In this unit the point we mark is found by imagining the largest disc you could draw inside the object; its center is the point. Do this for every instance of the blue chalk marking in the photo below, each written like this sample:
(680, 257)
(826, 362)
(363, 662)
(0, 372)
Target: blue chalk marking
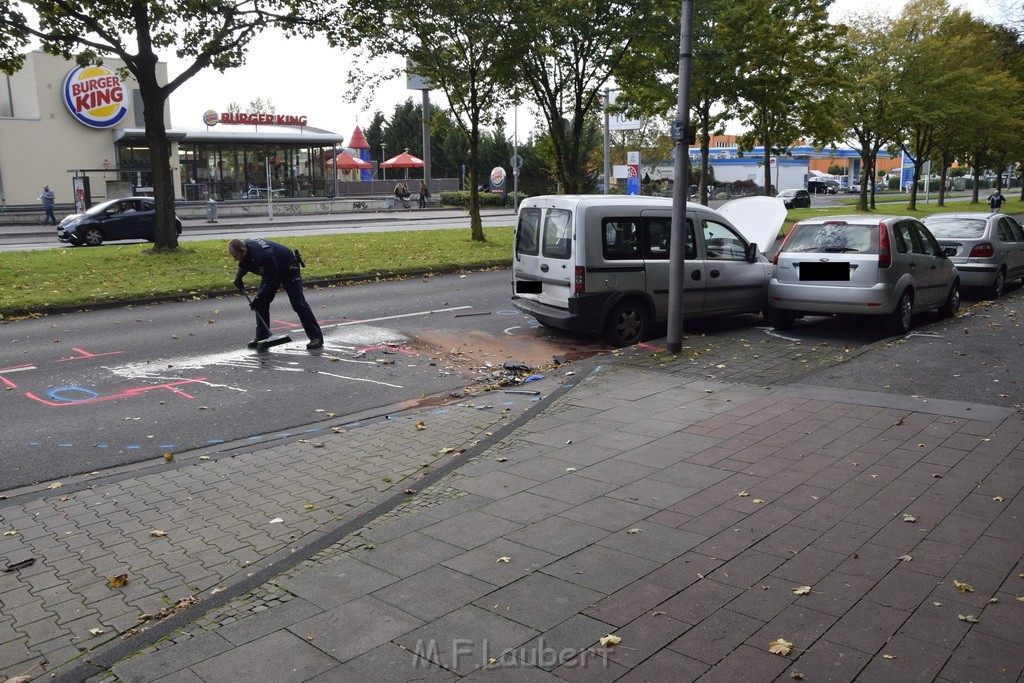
(353, 424)
(65, 445)
(283, 434)
(507, 403)
(215, 441)
(439, 411)
(313, 430)
(255, 438)
(33, 443)
(133, 448)
(168, 445)
(102, 445)
(58, 394)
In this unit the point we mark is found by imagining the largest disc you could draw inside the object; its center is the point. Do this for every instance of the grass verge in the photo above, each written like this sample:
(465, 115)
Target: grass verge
(33, 282)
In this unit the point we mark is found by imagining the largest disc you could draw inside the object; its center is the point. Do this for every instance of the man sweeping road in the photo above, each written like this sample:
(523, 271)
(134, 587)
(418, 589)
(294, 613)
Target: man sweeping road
(279, 267)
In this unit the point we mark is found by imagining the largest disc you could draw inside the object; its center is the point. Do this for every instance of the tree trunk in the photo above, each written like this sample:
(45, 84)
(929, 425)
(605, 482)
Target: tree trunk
(166, 238)
(476, 228)
(912, 204)
(767, 168)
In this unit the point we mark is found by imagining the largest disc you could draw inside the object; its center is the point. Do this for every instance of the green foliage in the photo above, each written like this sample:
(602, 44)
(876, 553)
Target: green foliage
(485, 199)
(35, 281)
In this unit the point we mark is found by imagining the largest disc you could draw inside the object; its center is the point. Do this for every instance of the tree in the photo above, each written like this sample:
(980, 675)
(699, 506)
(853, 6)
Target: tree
(212, 33)
(568, 51)
(784, 66)
(462, 49)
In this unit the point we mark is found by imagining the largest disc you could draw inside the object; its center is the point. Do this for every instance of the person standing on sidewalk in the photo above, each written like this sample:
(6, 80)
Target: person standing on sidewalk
(279, 267)
(996, 201)
(423, 195)
(49, 200)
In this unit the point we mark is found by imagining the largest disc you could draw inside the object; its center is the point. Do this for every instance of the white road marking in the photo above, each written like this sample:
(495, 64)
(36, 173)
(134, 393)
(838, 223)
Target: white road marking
(359, 379)
(772, 333)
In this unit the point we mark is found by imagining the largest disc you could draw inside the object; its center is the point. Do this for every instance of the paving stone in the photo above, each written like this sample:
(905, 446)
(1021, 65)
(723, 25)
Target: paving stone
(746, 569)
(616, 471)
(866, 627)
(730, 543)
(508, 670)
(434, 592)
(644, 636)
(902, 588)
(585, 453)
(811, 565)
(540, 469)
(869, 561)
(698, 601)
(602, 569)
(716, 521)
(562, 643)
(482, 562)
(651, 492)
(336, 582)
(606, 513)
(349, 630)
(829, 662)
(408, 554)
(798, 624)
(558, 536)
(539, 601)
(388, 663)
(591, 667)
(470, 529)
(167, 661)
(525, 508)
(747, 664)
(279, 616)
(939, 624)
(279, 656)
(983, 657)
(494, 485)
(836, 593)
(716, 636)
(630, 602)
(465, 639)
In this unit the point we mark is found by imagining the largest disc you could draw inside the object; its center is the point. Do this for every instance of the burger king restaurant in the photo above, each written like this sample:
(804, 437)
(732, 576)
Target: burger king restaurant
(80, 130)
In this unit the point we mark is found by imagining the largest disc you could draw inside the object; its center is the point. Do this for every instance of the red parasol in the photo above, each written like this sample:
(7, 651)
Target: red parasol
(403, 160)
(346, 161)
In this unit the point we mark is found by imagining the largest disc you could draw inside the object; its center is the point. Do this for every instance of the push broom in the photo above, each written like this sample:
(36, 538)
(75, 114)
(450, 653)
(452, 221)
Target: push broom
(275, 340)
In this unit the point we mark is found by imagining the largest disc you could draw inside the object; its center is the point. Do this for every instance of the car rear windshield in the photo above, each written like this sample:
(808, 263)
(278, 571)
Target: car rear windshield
(839, 238)
(957, 228)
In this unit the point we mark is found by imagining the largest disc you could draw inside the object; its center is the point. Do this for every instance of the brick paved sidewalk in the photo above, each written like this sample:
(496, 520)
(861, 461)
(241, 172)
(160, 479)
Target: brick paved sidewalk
(682, 515)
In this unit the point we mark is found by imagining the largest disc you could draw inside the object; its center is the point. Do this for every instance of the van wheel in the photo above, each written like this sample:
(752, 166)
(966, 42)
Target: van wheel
(628, 324)
(780, 318)
(899, 319)
(951, 306)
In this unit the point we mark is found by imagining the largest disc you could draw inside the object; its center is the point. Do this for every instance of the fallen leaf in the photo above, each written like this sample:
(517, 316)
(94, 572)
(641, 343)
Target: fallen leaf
(319, 444)
(204, 457)
(970, 618)
(802, 590)
(1020, 598)
(12, 532)
(501, 459)
(117, 581)
(570, 469)
(421, 425)
(743, 494)
(905, 558)
(888, 657)
(276, 520)
(797, 675)
(937, 604)
(758, 501)
(634, 531)
(95, 631)
(998, 499)
(780, 647)
(218, 589)
(410, 491)
(909, 518)
(157, 533)
(54, 485)
(492, 661)
(993, 601)
(963, 586)
(609, 640)
(168, 457)
(504, 559)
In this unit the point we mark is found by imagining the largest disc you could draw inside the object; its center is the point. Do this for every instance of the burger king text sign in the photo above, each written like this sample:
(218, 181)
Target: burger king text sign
(95, 96)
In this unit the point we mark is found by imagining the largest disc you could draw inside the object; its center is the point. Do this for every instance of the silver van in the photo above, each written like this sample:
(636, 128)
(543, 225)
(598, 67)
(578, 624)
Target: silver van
(600, 263)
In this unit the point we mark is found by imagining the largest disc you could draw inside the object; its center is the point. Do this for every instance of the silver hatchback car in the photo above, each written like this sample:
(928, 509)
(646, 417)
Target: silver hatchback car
(887, 266)
(987, 248)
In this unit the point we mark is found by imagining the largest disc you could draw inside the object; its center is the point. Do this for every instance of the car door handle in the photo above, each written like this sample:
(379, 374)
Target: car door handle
(544, 267)
(695, 275)
(714, 273)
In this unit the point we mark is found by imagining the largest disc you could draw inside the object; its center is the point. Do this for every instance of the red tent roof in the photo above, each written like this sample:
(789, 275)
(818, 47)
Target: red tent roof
(358, 140)
(347, 161)
(403, 160)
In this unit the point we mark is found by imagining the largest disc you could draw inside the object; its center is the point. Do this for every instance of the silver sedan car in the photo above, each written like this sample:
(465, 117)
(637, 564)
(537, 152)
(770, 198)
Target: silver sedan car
(887, 266)
(987, 248)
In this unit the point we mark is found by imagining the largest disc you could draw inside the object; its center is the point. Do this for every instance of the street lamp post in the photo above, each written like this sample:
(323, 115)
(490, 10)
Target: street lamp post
(383, 158)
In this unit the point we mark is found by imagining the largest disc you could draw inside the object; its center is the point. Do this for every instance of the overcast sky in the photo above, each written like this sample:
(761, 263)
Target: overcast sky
(307, 78)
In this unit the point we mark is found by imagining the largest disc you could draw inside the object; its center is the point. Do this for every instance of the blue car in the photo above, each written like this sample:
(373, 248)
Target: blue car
(128, 218)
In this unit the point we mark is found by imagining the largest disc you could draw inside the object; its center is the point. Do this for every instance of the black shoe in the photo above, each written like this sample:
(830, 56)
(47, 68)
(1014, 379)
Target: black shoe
(255, 342)
(315, 343)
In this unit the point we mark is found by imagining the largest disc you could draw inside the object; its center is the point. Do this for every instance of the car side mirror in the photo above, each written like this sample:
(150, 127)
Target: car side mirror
(752, 252)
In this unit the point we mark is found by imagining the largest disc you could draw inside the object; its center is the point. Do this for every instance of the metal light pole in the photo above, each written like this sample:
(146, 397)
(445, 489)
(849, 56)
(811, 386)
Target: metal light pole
(383, 158)
(677, 245)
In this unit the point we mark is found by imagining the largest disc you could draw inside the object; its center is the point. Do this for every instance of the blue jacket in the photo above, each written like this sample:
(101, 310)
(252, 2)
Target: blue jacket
(47, 197)
(271, 261)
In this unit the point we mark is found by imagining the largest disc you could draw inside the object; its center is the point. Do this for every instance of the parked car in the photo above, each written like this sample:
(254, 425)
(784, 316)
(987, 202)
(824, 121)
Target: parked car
(600, 263)
(129, 218)
(822, 186)
(795, 199)
(887, 266)
(988, 249)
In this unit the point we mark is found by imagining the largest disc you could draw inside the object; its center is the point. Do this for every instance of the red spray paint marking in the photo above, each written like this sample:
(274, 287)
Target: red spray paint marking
(128, 393)
(652, 348)
(86, 354)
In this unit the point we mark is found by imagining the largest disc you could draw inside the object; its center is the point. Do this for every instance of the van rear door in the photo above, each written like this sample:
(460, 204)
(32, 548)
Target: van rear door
(543, 268)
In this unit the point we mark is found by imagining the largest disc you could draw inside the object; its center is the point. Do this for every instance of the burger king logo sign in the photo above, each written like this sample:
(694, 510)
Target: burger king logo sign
(95, 96)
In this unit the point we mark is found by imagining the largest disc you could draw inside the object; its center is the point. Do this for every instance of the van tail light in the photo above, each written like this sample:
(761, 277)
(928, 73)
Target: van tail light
(982, 250)
(884, 249)
(782, 247)
(580, 280)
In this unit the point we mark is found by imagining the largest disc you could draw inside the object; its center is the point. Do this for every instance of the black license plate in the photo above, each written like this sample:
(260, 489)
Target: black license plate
(830, 272)
(527, 286)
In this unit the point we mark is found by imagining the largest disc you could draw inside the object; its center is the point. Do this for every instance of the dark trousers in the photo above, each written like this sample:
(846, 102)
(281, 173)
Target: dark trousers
(292, 285)
(49, 218)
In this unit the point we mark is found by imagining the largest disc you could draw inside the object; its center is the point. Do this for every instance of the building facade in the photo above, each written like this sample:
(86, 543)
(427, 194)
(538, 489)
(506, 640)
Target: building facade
(81, 131)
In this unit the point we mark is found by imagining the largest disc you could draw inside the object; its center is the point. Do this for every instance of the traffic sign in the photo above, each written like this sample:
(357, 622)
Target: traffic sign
(516, 161)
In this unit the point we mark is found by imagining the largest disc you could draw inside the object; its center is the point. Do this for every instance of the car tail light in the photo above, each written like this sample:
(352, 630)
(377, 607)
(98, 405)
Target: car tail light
(580, 280)
(884, 250)
(982, 250)
(782, 247)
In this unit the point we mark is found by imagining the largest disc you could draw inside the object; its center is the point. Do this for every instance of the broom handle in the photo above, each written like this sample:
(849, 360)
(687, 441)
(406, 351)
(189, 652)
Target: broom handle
(258, 316)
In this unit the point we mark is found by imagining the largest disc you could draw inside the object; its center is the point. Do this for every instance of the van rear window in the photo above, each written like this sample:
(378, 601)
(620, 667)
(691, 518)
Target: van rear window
(528, 232)
(557, 234)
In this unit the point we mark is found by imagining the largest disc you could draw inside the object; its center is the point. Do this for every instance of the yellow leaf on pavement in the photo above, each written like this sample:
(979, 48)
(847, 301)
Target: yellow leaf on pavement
(117, 581)
(157, 533)
(504, 559)
(54, 485)
(609, 640)
(802, 590)
(963, 586)
(780, 647)
(421, 425)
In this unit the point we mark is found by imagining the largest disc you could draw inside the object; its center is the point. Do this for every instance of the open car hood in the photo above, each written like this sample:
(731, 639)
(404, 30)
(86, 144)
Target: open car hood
(758, 218)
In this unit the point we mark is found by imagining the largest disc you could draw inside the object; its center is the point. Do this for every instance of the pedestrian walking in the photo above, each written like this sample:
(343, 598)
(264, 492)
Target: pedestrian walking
(49, 200)
(996, 201)
(423, 195)
(278, 266)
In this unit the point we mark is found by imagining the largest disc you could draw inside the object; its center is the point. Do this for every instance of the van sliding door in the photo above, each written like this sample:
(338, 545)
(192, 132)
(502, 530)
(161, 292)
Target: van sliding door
(657, 229)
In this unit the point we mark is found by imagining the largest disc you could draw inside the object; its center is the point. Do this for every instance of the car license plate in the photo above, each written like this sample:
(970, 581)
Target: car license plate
(832, 272)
